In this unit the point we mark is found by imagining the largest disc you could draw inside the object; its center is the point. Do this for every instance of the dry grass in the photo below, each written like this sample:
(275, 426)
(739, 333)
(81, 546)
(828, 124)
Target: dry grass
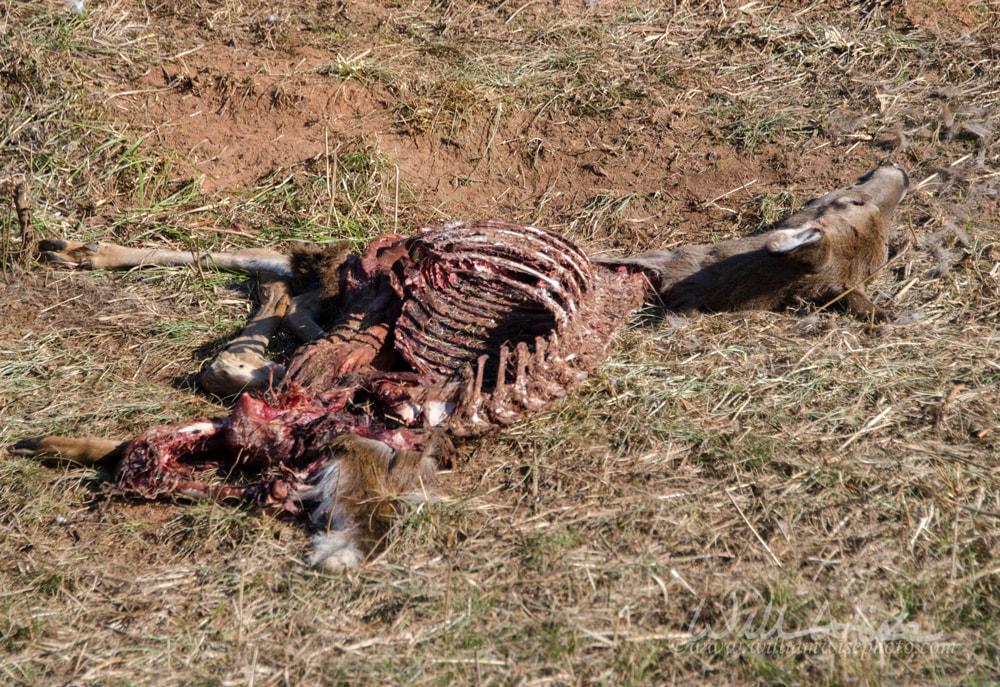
(738, 499)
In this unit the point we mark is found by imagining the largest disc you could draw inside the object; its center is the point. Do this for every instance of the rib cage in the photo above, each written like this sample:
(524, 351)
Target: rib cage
(478, 287)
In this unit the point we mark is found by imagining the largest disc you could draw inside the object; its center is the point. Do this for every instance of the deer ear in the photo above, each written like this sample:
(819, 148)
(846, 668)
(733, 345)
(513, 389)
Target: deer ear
(787, 240)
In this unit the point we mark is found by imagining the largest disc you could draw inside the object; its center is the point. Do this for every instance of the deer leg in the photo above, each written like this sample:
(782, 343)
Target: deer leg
(300, 317)
(83, 451)
(109, 256)
(160, 463)
(242, 365)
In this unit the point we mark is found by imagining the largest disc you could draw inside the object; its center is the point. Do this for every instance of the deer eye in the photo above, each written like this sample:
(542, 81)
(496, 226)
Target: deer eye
(844, 202)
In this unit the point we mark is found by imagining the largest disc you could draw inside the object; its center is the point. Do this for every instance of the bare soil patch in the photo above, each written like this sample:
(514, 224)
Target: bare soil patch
(238, 115)
(950, 18)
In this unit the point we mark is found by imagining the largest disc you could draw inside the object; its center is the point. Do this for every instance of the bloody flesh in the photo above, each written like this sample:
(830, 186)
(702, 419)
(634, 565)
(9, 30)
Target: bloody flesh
(461, 329)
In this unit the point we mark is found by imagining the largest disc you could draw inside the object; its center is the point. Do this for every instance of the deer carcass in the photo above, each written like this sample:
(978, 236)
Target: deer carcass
(454, 331)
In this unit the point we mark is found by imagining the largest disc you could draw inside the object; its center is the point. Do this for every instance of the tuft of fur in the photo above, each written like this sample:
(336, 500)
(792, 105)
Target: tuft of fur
(336, 551)
(357, 493)
(318, 266)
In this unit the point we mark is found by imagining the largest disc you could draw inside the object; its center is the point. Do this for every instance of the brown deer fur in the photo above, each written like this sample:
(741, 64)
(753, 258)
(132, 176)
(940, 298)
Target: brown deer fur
(357, 492)
(826, 252)
(80, 450)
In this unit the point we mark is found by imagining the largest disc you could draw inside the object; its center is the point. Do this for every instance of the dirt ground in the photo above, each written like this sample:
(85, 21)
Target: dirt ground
(748, 498)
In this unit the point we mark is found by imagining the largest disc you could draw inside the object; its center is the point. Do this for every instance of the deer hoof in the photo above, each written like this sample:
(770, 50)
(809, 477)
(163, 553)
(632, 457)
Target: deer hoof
(68, 253)
(31, 448)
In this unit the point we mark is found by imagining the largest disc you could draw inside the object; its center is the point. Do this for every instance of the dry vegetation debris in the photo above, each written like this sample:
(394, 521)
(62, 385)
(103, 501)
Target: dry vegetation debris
(719, 473)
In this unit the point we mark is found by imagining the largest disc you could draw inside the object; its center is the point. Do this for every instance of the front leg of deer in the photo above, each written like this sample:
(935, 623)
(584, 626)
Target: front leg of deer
(243, 364)
(78, 255)
(301, 316)
(83, 451)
